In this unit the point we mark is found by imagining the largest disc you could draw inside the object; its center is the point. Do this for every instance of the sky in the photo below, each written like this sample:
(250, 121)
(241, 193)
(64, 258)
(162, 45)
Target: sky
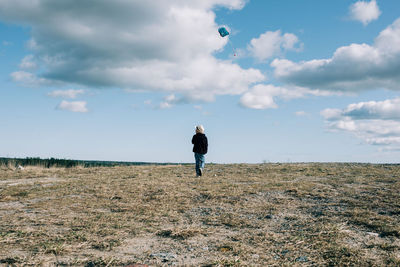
(128, 80)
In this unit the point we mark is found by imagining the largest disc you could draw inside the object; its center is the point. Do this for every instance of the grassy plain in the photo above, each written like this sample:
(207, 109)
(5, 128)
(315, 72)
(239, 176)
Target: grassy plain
(311, 214)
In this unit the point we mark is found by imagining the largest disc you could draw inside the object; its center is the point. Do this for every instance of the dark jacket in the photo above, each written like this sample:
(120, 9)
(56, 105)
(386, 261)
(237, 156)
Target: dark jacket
(200, 143)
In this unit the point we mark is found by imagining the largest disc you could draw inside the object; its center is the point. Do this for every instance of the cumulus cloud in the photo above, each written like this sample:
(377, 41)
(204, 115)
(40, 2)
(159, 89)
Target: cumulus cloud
(74, 106)
(28, 63)
(263, 96)
(352, 68)
(171, 100)
(30, 80)
(375, 122)
(152, 45)
(270, 44)
(70, 93)
(365, 12)
(168, 102)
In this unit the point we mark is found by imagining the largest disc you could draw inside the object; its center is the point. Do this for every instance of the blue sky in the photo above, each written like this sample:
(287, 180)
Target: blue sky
(129, 80)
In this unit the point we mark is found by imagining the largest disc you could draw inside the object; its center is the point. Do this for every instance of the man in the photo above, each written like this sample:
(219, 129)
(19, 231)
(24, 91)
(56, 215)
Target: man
(200, 147)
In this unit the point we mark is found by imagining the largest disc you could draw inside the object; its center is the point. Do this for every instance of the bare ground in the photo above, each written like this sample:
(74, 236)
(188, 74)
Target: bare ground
(236, 215)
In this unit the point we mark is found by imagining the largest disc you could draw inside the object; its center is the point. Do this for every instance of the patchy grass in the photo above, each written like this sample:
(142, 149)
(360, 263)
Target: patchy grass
(236, 215)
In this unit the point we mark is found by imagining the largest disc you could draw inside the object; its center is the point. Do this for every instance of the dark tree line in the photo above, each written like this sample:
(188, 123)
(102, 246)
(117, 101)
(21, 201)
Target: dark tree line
(67, 163)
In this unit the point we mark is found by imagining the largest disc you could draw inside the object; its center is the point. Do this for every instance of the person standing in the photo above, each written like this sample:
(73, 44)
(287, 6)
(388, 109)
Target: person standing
(200, 147)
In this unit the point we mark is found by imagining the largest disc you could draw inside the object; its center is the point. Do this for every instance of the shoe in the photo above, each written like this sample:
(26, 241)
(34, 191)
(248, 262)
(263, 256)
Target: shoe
(200, 172)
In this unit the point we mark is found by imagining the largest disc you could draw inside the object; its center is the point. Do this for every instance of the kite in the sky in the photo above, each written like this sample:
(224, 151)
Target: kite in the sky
(224, 32)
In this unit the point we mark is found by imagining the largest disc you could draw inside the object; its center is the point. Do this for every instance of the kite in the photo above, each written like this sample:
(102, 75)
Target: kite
(223, 32)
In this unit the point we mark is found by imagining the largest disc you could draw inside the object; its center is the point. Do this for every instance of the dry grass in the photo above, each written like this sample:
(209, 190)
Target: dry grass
(236, 215)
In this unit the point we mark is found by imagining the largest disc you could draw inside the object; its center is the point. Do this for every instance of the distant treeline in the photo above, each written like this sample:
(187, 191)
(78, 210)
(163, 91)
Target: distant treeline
(69, 163)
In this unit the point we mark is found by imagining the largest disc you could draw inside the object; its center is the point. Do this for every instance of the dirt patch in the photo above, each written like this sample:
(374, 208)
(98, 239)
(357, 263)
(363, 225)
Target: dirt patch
(30, 181)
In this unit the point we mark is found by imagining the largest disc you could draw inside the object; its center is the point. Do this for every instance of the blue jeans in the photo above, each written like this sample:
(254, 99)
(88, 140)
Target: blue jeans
(200, 160)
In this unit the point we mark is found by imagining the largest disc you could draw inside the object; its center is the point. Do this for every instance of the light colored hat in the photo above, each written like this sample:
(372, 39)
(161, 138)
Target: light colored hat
(199, 129)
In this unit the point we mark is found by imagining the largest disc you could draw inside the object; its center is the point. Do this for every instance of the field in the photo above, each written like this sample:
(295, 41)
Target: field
(311, 214)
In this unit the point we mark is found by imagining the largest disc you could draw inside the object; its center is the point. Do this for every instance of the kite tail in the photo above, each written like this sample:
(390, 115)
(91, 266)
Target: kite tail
(233, 48)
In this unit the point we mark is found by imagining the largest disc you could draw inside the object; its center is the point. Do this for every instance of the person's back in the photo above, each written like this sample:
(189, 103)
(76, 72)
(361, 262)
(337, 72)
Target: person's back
(200, 143)
(200, 148)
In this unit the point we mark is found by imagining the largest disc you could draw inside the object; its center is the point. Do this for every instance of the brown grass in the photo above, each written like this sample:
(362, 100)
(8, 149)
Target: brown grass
(236, 215)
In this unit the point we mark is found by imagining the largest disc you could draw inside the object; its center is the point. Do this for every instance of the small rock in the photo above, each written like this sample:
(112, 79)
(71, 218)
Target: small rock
(302, 259)
(164, 233)
(164, 256)
(268, 216)
(90, 264)
(372, 234)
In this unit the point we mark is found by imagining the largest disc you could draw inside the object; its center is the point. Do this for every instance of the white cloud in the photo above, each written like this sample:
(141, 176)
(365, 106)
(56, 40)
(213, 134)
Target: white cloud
(20, 76)
(260, 97)
(387, 110)
(263, 96)
(331, 113)
(74, 106)
(165, 46)
(365, 12)
(168, 102)
(28, 63)
(270, 44)
(171, 100)
(70, 93)
(376, 122)
(165, 105)
(352, 68)
(29, 79)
